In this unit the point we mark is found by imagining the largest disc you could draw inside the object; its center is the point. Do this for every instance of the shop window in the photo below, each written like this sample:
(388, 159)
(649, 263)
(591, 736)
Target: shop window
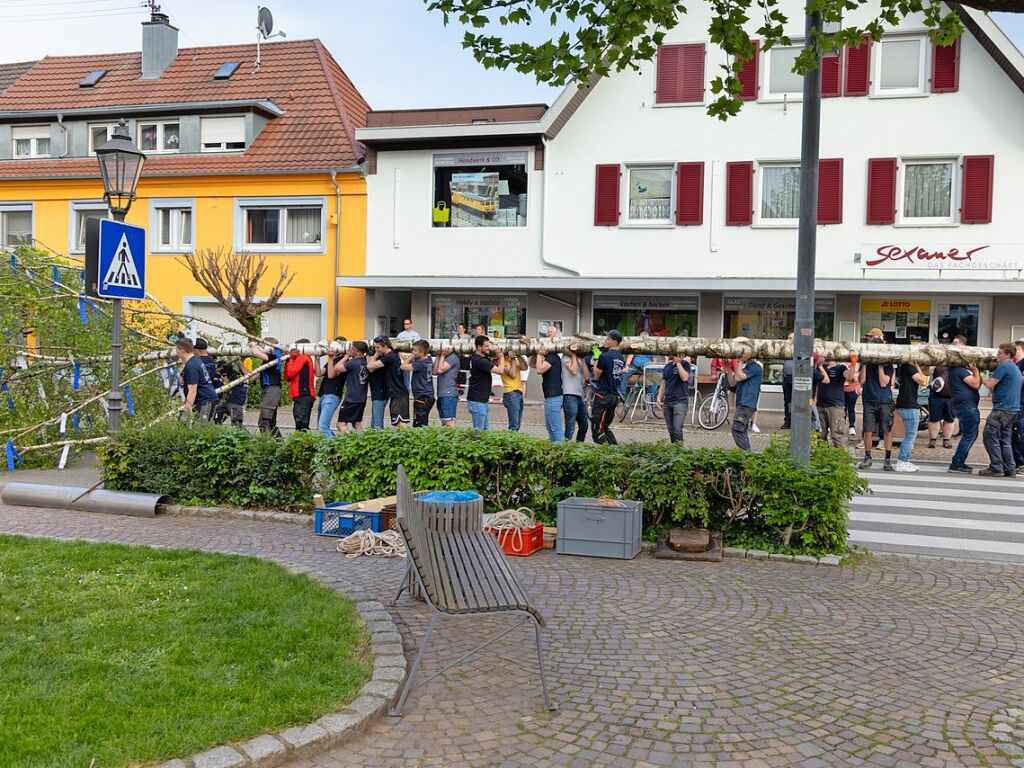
(15, 225)
(503, 316)
(900, 66)
(780, 79)
(957, 320)
(657, 317)
(159, 137)
(903, 321)
(927, 192)
(481, 189)
(650, 195)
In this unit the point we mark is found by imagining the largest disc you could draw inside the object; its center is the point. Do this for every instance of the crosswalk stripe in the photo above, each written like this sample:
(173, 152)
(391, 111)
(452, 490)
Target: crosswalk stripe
(945, 479)
(937, 522)
(912, 540)
(938, 506)
(944, 493)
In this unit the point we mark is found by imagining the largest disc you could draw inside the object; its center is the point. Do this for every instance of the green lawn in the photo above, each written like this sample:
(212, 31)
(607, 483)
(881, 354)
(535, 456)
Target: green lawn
(128, 654)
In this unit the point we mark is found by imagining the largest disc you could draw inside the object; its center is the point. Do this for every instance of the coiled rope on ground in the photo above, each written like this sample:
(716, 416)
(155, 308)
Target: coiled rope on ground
(385, 544)
(510, 524)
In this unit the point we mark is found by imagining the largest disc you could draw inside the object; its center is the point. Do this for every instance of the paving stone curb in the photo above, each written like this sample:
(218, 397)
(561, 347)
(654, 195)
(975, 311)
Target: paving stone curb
(234, 513)
(372, 701)
(773, 557)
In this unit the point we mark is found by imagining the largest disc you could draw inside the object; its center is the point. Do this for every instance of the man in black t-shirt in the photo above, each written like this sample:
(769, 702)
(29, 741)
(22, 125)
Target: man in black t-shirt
(831, 400)
(549, 366)
(200, 396)
(605, 381)
(389, 362)
(1018, 425)
(876, 400)
(478, 394)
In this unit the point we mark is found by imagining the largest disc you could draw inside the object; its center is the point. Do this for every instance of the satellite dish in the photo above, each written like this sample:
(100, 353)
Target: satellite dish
(265, 22)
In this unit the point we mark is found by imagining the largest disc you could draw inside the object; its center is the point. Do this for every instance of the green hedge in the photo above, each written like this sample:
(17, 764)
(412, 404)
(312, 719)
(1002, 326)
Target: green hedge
(758, 499)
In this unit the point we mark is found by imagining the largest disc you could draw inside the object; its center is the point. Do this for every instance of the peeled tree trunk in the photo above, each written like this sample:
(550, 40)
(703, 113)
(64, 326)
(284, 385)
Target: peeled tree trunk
(760, 349)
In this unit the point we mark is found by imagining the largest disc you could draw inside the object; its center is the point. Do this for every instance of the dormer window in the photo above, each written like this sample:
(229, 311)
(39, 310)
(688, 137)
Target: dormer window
(99, 134)
(159, 137)
(31, 141)
(222, 134)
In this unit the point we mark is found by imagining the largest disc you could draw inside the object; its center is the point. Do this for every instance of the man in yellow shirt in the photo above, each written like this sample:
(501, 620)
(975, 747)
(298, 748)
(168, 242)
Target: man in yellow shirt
(513, 390)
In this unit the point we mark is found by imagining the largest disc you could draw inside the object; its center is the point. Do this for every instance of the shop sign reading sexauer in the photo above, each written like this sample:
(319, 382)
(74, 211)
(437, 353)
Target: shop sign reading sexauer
(978, 256)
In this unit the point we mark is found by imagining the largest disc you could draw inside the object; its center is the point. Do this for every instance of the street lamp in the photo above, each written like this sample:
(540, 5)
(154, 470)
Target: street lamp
(120, 167)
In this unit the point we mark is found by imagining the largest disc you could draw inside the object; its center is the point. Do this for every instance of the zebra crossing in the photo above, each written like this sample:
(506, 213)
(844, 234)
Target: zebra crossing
(933, 512)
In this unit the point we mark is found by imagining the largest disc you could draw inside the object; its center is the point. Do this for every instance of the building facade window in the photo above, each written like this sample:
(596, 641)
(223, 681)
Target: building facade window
(280, 224)
(900, 66)
(780, 194)
(649, 194)
(503, 316)
(81, 212)
(15, 225)
(903, 321)
(99, 134)
(779, 78)
(927, 191)
(957, 319)
(172, 225)
(480, 189)
(222, 134)
(660, 316)
(31, 141)
(159, 137)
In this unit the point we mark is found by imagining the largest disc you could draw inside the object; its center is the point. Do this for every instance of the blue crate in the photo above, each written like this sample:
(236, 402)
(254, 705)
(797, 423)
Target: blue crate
(336, 519)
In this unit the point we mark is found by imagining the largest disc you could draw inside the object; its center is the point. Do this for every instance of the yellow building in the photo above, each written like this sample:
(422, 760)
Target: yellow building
(242, 154)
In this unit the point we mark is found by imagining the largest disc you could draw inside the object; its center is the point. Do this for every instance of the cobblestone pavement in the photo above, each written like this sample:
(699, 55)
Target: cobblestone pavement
(882, 662)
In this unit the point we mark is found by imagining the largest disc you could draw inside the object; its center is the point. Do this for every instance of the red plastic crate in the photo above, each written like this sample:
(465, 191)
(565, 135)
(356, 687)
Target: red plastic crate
(520, 543)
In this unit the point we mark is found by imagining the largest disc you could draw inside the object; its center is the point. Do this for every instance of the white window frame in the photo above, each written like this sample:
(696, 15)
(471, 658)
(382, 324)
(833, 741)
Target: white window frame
(33, 134)
(876, 68)
(160, 126)
(110, 132)
(74, 208)
(243, 204)
(954, 185)
(766, 93)
(6, 208)
(759, 219)
(156, 205)
(221, 147)
(626, 222)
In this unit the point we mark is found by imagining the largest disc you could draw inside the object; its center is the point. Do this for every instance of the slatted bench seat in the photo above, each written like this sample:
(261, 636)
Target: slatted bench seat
(461, 572)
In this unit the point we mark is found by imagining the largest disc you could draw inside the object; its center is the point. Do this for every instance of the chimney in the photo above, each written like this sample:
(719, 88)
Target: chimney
(159, 45)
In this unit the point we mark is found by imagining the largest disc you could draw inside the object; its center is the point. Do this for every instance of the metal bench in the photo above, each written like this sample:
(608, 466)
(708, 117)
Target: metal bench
(461, 572)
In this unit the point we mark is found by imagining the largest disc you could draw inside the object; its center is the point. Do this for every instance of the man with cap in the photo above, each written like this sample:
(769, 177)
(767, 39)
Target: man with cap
(746, 377)
(605, 381)
(877, 405)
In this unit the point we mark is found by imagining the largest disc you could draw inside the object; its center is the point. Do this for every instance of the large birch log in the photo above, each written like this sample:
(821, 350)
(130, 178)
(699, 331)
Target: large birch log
(761, 349)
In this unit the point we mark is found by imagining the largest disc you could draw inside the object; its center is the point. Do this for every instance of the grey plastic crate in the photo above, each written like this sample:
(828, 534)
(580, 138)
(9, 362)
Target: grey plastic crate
(588, 528)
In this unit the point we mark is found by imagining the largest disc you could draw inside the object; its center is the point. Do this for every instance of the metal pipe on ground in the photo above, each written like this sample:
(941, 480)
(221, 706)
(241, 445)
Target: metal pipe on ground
(84, 500)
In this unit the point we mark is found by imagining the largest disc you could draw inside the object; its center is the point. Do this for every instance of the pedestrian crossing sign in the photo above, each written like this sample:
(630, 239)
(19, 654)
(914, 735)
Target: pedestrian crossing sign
(122, 261)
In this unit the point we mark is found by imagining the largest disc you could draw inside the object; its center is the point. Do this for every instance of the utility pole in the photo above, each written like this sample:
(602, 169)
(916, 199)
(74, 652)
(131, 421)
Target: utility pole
(803, 333)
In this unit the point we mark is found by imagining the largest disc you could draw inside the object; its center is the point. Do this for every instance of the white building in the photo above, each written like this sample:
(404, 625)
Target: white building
(625, 205)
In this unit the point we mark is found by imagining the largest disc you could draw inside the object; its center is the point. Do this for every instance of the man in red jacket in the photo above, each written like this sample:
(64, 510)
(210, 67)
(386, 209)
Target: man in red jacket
(300, 372)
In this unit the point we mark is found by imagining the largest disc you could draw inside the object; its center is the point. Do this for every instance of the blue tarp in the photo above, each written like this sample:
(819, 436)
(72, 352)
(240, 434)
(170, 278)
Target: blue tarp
(448, 497)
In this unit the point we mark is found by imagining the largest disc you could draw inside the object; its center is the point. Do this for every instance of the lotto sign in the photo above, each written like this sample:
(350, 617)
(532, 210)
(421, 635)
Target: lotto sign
(121, 272)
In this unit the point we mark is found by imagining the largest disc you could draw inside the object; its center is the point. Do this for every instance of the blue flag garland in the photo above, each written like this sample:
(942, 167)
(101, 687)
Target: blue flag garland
(129, 403)
(13, 457)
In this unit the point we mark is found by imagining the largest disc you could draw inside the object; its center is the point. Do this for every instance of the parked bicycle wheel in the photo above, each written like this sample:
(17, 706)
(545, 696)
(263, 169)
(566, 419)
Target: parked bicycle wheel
(713, 412)
(646, 409)
(626, 403)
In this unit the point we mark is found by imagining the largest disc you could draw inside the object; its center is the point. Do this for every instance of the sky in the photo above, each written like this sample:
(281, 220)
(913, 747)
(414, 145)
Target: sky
(398, 54)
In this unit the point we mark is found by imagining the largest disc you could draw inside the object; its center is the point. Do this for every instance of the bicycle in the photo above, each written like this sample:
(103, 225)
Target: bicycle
(641, 401)
(713, 409)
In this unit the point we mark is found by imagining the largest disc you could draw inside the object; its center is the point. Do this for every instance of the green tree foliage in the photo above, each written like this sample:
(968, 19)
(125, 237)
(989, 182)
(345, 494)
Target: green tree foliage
(43, 317)
(614, 35)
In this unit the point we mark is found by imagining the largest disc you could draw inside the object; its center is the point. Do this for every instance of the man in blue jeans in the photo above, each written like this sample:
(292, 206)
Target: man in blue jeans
(549, 366)
(746, 377)
(963, 385)
(1004, 384)
(1018, 425)
(478, 393)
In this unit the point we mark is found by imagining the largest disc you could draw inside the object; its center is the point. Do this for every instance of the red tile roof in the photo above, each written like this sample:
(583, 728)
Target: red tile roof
(322, 108)
(11, 73)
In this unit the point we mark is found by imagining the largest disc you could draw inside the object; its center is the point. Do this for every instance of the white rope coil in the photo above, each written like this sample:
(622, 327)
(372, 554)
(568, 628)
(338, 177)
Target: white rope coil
(385, 544)
(510, 524)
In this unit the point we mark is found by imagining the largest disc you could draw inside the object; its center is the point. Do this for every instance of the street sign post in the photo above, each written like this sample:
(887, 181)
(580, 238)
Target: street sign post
(115, 262)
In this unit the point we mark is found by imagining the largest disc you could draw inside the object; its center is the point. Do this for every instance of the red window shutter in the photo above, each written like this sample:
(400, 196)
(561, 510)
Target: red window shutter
(830, 191)
(680, 74)
(858, 69)
(667, 77)
(690, 194)
(606, 196)
(739, 194)
(831, 74)
(882, 190)
(946, 67)
(748, 74)
(976, 196)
